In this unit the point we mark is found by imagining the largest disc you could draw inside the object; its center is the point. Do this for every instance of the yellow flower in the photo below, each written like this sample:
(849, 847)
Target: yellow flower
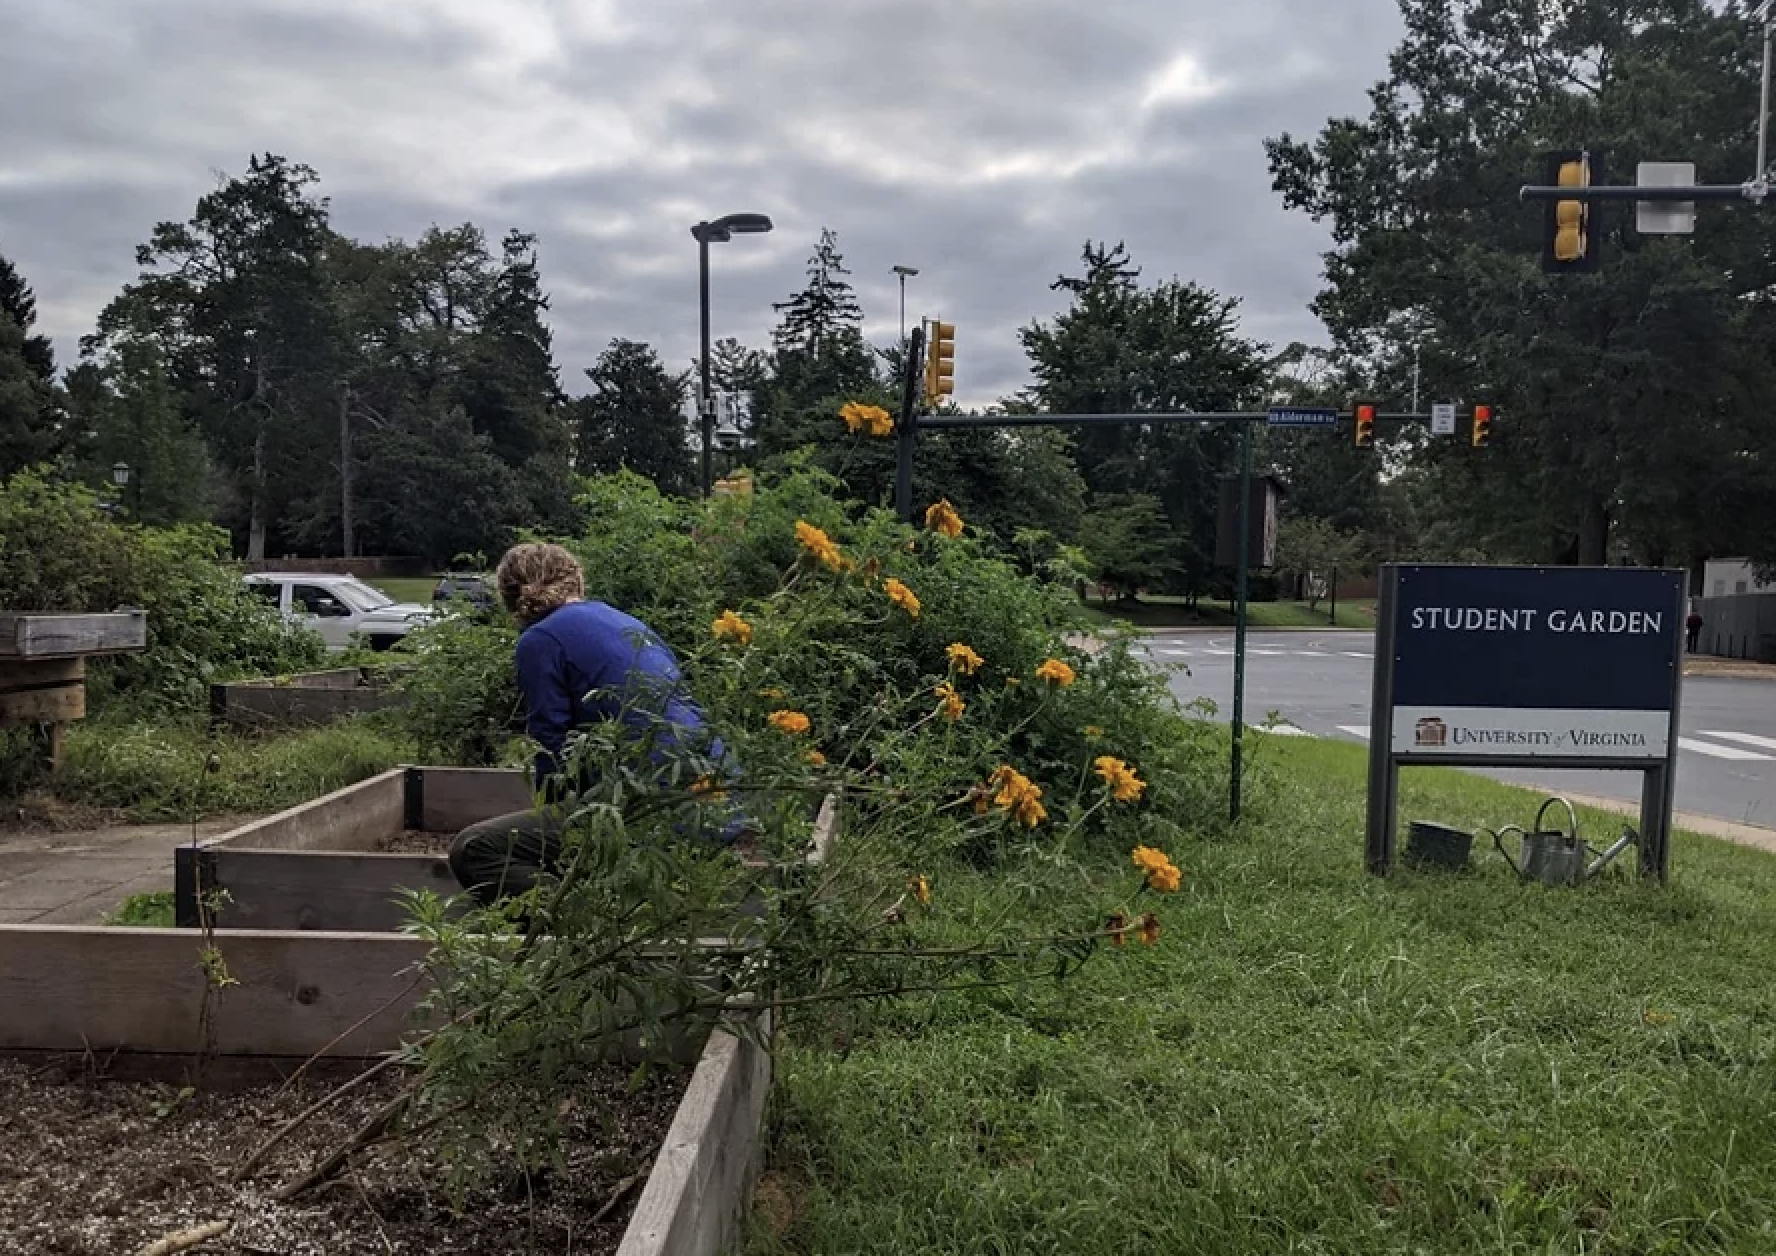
(1056, 672)
(705, 787)
(730, 627)
(942, 517)
(901, 596)
(922, 889)
(1149, 929)
(1124, 785)
(815, 758)
(1166, 880)
(964, 659)
(953, 706)
(1020, 797)
(1118, 927)
(793, 722)
(861, 417)
(1147, 858)
(819, 544)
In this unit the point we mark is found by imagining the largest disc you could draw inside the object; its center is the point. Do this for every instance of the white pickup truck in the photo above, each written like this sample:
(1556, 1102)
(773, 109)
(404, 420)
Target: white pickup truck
(339, 607)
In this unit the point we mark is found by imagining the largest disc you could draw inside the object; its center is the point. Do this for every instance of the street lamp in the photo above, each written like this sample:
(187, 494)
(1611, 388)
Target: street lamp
(903, 272)
(120, 474)
(706, 233)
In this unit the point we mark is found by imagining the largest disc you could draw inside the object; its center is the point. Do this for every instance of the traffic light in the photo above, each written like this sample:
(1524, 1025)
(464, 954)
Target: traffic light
(1569, 245)
(1363, 423)
(940, 362)
(1482, 426)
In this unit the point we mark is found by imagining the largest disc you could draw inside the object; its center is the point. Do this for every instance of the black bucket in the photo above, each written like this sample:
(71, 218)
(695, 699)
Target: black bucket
(1437, 846)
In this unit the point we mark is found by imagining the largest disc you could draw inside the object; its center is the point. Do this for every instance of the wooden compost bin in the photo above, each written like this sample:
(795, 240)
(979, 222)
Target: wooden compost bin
(306, 698)
(344, 986)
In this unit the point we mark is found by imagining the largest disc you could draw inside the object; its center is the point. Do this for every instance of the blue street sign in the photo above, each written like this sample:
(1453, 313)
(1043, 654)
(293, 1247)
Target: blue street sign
(1301, 416)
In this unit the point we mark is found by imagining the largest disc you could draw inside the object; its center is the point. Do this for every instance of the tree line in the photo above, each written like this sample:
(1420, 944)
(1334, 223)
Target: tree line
(320, 395)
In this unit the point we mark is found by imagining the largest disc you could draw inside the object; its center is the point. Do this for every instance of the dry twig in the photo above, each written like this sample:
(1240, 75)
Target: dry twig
(183, 1240)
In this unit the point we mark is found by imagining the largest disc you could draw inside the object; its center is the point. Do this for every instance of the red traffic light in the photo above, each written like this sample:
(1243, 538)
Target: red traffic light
(1482, 425)
(1363, 423)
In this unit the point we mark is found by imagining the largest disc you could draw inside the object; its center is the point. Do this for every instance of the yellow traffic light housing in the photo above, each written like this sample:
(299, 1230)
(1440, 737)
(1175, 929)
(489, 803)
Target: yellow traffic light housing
(940, 361)
(1482, 426)
(1363, 424)
(1570, 230)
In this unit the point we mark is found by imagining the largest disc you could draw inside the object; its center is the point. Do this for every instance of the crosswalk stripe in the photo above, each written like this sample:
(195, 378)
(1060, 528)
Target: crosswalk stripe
(1357, 654)
(1724, 752)
(1311, 654)
(1269, 654)
(1750, 739)
(1355, 730)
(1226, 654)
(1286, 730)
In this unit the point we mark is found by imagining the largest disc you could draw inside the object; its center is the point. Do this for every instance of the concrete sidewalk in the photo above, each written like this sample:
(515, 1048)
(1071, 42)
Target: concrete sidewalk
(78, 876)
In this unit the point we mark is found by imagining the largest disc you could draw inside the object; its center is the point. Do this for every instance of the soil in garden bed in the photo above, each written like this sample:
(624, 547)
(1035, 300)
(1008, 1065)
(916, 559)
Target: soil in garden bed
(416, 842)
(93, 1167)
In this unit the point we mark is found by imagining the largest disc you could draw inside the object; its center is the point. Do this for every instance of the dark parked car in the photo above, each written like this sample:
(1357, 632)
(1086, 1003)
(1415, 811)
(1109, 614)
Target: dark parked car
(468, 586)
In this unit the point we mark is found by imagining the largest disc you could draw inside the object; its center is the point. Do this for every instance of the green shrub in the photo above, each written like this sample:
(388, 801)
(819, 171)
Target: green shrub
(59, 551)
(462, 693)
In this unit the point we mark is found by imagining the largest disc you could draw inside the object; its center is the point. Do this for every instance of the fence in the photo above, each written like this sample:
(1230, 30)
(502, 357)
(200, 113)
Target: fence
(1742, 626)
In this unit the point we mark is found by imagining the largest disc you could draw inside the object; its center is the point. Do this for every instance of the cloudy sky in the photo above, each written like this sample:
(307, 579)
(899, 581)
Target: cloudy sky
(981, 141)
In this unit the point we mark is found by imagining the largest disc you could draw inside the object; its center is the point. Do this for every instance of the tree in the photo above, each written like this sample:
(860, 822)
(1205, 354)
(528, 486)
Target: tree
(135, 418)
(27, 404)
(1128, 543)
(1315, 551)
(237, 302)
(1124, 349)
(1637, 402)
(634, 419)
(819, 359)
(20, 303)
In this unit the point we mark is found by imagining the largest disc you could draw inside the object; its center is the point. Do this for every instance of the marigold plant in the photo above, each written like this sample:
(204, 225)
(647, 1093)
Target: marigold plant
(859, 416)
(794, 723)
(730, 627)
(950, 702)
(819, 545)
(901, 596)
(1124, 785)
(963, 658)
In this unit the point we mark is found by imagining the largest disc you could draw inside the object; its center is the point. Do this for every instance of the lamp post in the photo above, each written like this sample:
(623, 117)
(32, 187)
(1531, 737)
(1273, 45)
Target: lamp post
(903, 272)
(705, 233)
(120, 476)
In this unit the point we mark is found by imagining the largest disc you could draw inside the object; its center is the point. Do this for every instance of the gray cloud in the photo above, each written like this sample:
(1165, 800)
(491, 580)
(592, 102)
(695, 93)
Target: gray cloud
(980, 140)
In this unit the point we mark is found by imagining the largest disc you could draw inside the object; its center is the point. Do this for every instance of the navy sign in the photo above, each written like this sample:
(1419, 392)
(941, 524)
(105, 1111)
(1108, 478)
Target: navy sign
(1301, 416)
(1535, 662)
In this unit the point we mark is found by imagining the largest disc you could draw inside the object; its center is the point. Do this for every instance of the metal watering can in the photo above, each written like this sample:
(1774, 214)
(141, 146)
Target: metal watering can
(1554, 857)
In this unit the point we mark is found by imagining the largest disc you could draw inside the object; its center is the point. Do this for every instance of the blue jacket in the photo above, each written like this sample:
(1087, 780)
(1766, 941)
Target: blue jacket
(569, 655)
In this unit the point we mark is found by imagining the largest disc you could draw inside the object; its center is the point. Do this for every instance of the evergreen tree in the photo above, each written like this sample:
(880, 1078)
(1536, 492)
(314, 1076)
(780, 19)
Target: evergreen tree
(18, 301)
(27, 404)
(634, 418)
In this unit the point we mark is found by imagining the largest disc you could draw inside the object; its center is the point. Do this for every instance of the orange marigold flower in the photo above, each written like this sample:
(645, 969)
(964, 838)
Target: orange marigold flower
(815, 758)
(1118, 927)
(922, 889)
(861, 417)
(706, 787)
(1147, 858)
(792, 722)
(1056, 672)
(953, 706)
(1166, 880)
(942, 517)
(964, 659)
(901, 596)
(1149, 929)
(1020, 797)
(1124, 785)
(730, 627)
(819, 544)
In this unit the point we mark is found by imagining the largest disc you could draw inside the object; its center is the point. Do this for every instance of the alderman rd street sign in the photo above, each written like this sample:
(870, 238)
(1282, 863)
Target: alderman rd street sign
(1301, 416)
(1535, 663)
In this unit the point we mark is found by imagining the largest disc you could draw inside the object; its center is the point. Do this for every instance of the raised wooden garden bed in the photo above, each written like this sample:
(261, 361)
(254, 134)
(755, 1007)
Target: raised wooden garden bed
(43, 664)
(306, 989)
(306, 698)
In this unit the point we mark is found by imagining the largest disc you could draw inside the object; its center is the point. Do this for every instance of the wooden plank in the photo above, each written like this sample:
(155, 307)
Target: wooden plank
(696, 1196)
(71, 988)
(16, 673)
(451, 799)
(43, 636)
(340, 893)
(67, 701)
(257, 707)
(353, 818)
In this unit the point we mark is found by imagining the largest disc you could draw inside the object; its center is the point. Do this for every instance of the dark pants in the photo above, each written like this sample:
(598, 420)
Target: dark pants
(501, 857)
(1695, 637)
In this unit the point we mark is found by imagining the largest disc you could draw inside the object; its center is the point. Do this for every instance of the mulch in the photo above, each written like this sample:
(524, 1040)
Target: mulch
(98, 1167)
(415, 842)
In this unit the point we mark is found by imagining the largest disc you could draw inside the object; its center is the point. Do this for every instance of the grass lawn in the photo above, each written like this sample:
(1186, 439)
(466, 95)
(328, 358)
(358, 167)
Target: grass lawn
(407, 589)
(1312, 1060)
(1170, 612)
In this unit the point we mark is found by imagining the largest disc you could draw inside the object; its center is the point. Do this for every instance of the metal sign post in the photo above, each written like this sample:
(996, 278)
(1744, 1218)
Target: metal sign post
(1527, 667)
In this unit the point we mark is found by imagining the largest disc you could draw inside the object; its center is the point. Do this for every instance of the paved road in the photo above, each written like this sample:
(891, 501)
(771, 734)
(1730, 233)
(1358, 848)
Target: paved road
(1319, 683)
